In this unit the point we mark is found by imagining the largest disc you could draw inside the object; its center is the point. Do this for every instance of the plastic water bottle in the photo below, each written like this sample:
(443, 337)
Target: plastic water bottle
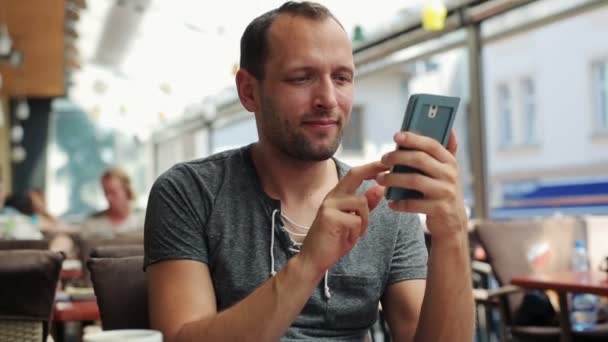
(584, 306)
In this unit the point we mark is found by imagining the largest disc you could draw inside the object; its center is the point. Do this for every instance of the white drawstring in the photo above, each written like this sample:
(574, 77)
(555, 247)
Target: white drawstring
(327, 293)
(272, 271)
(295, 224)
(326, 290)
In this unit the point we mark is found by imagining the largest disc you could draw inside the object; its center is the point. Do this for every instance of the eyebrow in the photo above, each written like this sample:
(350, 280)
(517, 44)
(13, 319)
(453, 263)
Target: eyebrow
(347, 69)
(342, 68)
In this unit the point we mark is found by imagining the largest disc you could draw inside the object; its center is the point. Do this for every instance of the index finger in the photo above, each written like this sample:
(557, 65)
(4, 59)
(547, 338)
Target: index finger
(353, 179)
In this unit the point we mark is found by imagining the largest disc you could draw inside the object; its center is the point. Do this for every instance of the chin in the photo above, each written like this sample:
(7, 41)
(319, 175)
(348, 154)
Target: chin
(309, 152)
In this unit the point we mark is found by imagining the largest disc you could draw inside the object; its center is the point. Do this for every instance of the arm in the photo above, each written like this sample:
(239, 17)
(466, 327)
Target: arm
(448, 293)
(182, 303)
(181, 296)
(401, 305)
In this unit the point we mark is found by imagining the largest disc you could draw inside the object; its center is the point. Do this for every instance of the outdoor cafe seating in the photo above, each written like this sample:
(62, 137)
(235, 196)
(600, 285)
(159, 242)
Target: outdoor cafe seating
(535, 246)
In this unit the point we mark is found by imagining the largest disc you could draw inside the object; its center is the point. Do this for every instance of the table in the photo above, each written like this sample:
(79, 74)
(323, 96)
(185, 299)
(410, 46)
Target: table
(84, 310)
(72, 311)
(67, 274)
(563, 283)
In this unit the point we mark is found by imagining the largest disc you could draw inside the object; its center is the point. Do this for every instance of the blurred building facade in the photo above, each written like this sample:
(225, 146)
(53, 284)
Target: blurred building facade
(545, 84)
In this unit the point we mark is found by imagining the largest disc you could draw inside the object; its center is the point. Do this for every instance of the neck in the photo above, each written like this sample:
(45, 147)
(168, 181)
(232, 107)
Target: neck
(294, 182)
(116, 214)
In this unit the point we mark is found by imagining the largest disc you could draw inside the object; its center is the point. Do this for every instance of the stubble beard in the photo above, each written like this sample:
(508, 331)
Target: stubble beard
(293, 142)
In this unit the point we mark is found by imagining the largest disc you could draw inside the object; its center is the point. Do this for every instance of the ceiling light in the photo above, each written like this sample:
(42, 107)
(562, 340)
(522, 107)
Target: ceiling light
(6, 42)
(23, 109)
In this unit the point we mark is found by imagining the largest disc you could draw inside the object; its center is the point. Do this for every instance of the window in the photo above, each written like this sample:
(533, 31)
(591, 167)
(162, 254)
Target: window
(528, 106)
(505, 113)
(352, 140)
(600, 90)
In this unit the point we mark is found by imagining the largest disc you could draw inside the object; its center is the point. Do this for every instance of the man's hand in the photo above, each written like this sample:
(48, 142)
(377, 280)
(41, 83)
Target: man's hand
(448, 292)
(443, 202)
(342, 218)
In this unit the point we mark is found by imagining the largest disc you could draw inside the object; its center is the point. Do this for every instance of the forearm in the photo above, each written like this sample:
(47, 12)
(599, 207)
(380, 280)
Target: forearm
(448, 309)
(264, 315)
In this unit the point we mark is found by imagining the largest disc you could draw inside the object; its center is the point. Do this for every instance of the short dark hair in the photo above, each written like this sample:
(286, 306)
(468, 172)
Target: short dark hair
(254, 42)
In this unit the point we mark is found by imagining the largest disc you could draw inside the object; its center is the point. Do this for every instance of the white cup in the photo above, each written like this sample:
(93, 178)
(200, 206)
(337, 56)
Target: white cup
(125, 335)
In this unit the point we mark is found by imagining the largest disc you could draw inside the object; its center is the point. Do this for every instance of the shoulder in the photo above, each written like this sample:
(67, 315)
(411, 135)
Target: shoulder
(209, 170)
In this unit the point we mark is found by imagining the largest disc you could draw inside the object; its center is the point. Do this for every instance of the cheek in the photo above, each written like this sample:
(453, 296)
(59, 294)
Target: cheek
(345, 99)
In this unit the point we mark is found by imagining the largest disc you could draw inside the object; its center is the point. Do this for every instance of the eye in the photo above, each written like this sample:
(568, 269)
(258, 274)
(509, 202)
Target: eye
(299, 79)
(343, 78)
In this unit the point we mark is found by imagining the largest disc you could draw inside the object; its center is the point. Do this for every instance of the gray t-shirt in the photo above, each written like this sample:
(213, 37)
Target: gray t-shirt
(214, 210)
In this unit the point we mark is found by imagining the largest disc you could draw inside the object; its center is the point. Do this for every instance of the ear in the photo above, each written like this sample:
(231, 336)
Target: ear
(246, 85)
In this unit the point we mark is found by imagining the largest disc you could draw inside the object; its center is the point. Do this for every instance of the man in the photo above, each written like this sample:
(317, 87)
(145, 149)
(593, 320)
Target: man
(119, 218)
(278, 240)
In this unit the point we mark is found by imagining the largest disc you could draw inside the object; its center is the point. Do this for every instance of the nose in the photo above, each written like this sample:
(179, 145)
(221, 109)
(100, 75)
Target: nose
(325, 94)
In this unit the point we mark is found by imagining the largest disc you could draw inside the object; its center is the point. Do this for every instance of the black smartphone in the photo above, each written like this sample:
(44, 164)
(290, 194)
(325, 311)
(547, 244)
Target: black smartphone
(429, 115)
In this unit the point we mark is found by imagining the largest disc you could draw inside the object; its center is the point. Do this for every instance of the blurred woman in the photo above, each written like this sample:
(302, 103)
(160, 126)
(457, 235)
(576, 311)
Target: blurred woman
(119, 218)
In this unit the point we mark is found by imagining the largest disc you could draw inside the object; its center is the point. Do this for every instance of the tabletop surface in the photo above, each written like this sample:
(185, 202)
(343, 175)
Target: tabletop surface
(86, 310)
(566, 281)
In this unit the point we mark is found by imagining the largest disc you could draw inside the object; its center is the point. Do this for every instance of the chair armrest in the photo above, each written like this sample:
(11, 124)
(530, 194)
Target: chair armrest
(481, 267)
(485, 295)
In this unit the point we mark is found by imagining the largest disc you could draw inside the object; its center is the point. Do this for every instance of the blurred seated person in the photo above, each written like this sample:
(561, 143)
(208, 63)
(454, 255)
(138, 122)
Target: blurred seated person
(47, 221)
(119, 218)
(52, 227)
(13, 224)
(33, 205)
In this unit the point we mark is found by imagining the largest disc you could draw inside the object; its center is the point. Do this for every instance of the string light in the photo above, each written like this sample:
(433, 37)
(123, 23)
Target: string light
(434, 13)
(23, 109)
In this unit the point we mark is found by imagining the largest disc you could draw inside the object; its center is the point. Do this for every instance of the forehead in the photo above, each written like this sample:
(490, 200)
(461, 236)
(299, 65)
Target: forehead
(296, 39)
(110, 182)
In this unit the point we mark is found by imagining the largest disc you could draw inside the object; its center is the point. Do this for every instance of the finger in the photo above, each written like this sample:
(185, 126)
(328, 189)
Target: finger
(354, 205)
(374, 196)
(422, 206)
(351, 226)
(453, 143)
(423, 143)
(355, 176)
(416, 159)
(431, 188)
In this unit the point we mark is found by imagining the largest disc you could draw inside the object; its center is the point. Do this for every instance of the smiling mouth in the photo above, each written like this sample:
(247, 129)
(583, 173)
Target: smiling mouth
(321, 122)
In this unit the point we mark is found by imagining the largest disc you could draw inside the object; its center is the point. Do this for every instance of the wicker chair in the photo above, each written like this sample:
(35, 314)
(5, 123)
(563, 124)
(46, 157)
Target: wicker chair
(28, 280)
(23, 244)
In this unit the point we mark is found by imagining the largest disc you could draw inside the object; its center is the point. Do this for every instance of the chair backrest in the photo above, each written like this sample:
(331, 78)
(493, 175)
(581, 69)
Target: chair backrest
(86, 246)
(28, 281)
(120, 251)
(521, 247)
(121, 290)
(23, 244)
(597, 240)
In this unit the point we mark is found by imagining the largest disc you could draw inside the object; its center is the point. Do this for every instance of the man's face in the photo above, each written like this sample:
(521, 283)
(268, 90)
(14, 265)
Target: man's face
(306, 96)
(115, 193)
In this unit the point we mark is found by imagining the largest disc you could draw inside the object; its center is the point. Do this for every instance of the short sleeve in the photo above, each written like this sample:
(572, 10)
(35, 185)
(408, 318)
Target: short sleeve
(175, 218)
(410, 256)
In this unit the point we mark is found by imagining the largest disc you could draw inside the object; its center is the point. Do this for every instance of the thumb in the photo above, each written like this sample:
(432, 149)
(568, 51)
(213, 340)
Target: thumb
(452, 143)
(374, 196)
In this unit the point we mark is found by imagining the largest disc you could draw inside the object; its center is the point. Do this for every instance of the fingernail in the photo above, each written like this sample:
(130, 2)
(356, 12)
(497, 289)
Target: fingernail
(400, 136)
(383, 159)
